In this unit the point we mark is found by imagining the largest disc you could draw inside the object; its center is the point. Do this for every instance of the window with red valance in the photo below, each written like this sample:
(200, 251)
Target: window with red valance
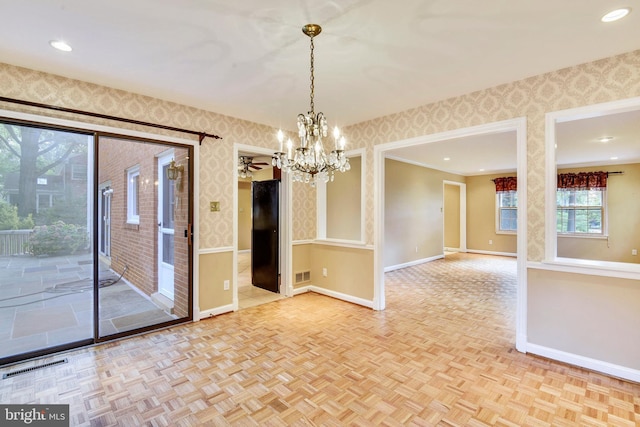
(581, 203)
(506, 204)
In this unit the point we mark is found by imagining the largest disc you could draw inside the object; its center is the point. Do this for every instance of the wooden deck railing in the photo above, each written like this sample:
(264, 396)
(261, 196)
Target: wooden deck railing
(13, 242)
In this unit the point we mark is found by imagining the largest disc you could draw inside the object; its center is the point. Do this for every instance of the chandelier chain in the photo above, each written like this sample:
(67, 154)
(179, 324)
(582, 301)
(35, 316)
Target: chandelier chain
(312, 79)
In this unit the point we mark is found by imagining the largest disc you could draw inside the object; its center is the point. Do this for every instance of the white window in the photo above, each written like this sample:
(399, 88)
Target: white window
(43, 201)
(133, 196)
(507, 211)
(581, 212)
(79, 172)
(42, 181)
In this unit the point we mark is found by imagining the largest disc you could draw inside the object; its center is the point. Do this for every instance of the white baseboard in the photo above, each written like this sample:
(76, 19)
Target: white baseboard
(215, 311)
(412, 263)
(477, 251)
(334, 294)
(586, 362)
(301, 290)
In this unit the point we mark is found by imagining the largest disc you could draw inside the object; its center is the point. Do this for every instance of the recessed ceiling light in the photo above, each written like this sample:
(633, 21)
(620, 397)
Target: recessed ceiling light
(447, 158)
(614, 158)
(605, 139)
(614, 15)
(481, 170)
(60, 45)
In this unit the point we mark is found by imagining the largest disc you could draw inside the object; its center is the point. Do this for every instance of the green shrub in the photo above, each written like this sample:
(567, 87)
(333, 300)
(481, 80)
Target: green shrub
(9, 219)
(70, 211)
(57, 239)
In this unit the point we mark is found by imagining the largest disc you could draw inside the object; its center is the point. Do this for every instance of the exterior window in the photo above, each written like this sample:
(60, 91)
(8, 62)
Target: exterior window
(44, 202)
(581, 212)
(507, 211)
(79, 172)
(133, 196)
(42, 181)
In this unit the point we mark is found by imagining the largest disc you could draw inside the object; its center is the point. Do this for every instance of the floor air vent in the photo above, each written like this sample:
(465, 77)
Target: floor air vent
(34, 368)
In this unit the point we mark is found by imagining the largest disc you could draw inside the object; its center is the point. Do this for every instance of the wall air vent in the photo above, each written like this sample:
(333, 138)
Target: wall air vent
(303, 276)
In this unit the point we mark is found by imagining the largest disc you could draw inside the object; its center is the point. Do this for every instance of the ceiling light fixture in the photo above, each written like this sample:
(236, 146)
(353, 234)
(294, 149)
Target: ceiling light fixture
(310, 160)
(245, 164)
(60, 45)
(614, 15)
(605, 139)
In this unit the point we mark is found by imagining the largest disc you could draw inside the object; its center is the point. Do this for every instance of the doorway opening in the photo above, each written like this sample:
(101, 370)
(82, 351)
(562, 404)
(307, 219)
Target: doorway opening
(438, 149)
(261, 248)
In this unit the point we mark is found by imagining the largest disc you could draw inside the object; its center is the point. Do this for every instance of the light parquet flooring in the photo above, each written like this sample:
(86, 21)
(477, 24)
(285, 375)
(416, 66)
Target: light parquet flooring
(441, 354)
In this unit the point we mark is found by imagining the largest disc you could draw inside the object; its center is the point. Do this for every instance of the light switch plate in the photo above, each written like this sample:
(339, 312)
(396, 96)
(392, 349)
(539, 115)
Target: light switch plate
(214, 206)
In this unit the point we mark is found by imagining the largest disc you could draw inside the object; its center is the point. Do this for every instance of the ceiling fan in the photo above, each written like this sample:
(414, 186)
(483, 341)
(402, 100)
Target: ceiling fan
(246, 163)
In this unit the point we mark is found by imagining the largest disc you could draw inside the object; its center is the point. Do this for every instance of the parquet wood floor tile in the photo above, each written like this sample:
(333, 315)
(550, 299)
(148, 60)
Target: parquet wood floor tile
(441, 354)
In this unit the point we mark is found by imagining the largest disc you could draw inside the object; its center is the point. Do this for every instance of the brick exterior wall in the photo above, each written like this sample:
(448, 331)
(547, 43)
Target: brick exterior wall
(135, 246)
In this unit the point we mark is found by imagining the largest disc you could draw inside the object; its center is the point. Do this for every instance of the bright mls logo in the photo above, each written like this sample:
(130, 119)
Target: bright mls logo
(34, 415)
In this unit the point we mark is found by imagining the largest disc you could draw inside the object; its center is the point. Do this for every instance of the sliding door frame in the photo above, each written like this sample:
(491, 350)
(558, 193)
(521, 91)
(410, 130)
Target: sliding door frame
(192, 179)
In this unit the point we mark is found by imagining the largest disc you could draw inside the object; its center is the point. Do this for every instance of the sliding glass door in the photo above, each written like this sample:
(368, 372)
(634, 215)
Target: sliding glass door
(145, 277)
(46, 242)
(95, 237)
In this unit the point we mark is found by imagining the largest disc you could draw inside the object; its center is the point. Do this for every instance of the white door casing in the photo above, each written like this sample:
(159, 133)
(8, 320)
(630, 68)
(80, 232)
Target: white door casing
(166, 206)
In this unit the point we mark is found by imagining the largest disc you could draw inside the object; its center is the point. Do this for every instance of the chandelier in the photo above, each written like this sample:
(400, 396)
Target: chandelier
(309, 161)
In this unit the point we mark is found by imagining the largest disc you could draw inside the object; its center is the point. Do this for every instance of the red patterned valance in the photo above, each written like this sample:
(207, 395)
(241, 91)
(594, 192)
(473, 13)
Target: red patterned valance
(508, 183)
(583, 181)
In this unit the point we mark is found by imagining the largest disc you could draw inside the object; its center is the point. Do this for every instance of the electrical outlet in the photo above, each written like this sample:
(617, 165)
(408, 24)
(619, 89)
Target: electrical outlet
(214, 206)
(324, 272)
(416, 249)
(491, 242)
(634, 252)
(226, 285)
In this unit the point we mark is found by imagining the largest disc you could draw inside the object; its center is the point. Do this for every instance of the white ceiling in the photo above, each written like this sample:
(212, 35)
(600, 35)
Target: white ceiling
(249, 58)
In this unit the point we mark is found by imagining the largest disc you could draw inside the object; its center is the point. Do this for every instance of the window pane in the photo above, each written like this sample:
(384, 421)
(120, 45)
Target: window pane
(134, 190)
(167, 249)
(508, 219)
(508, 199)
(580, 211)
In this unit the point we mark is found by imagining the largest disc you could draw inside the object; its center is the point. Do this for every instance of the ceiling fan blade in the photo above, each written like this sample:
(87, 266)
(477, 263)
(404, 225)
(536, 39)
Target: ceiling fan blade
(261, 164)
(255, 167)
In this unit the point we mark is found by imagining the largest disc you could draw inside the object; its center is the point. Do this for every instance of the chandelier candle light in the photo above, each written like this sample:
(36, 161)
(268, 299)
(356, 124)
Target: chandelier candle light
(309, 162)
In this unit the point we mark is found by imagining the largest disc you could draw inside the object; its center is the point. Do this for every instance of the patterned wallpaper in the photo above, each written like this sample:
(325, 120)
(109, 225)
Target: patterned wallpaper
(600, 81)
(216, 156)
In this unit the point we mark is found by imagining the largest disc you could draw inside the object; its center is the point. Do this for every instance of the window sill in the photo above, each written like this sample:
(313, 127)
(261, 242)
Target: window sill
(343, 243)
(591, 267)
(131, 226)
(585, 236)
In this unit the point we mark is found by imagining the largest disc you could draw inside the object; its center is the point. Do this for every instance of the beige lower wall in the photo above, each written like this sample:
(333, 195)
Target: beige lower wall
(214, 270)
(481, 217)
(349, 270)
(301, 261)
(590, 316)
